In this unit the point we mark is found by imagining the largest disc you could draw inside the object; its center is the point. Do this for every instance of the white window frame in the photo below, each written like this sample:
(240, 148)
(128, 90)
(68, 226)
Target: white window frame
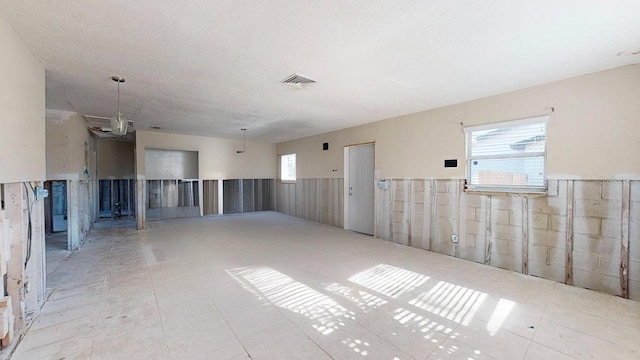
(282, 162)
(468, 130)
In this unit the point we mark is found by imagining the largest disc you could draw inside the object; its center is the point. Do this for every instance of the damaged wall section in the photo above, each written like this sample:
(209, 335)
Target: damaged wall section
(522, 233)
(529, 234)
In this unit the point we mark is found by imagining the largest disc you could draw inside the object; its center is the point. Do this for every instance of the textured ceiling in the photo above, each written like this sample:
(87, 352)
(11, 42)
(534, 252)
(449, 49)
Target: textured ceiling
(213, 67)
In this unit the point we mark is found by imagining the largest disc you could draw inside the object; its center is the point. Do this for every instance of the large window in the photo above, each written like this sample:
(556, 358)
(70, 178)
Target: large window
(508, 156)
(288, 167)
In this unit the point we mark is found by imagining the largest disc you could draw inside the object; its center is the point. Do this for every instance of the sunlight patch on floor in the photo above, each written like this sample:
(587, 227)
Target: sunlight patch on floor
(389, 280)
(285, 292)
(453, 302)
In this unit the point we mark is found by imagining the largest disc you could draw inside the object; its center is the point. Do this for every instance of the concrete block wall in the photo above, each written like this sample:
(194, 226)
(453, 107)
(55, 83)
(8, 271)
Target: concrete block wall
(574, 234)
(506, 232)
(597, 229)
(474, 232)
(319, 200)
(547, 226)
(528, 234)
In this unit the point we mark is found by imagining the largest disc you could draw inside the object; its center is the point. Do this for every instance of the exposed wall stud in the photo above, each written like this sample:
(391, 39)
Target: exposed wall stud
(426, 215)
(525, 235)
(15, 210)
(568, 278)
(392, 199)
(487, 233)
(434, 213)
(624, 249)
(411, 211)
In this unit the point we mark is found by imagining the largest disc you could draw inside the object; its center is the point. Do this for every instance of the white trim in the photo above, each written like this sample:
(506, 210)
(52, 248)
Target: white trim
(508, 156)
(534, 120)
(345, 190)
(220, 196)
(498, 125)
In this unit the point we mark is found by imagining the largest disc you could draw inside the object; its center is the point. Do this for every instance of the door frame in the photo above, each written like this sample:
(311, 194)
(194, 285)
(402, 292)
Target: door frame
(345, 201)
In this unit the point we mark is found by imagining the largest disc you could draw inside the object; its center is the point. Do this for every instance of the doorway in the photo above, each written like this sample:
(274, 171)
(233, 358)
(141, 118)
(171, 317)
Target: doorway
(55, 215)
(59, 206)
(359, 183)
(117, 198)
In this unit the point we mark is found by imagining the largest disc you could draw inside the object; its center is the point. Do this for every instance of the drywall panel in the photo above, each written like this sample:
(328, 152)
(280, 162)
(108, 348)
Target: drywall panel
(593, 132)
(171, 164)
(71, 149)
(115, 159)
(22, 104)
(217, 158)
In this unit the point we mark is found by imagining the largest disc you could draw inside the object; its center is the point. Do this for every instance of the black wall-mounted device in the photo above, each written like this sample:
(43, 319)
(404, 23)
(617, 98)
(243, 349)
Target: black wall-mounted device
(451, 163)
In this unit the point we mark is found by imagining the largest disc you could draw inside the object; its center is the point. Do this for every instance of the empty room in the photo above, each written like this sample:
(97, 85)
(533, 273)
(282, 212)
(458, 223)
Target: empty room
(381, 180)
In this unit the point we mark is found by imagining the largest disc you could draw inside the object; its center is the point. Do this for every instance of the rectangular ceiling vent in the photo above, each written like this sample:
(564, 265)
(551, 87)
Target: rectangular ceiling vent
(298, 81)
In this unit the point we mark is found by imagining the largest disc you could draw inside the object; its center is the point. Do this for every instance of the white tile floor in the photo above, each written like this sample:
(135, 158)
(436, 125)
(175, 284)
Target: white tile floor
(269, 286)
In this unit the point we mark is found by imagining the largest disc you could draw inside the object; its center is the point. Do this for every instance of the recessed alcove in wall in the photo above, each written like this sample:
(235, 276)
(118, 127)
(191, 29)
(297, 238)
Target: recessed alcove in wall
(173, 188)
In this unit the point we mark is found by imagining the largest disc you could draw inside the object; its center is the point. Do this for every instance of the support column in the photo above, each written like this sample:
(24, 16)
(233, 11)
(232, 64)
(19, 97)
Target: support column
(73, 215)
(141, 216)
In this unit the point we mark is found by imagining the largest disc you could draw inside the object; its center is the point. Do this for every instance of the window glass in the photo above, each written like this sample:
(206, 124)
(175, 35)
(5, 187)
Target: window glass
(507, 156)
(288, 167)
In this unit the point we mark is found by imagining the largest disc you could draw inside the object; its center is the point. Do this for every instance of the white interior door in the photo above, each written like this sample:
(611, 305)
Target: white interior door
(361, 181)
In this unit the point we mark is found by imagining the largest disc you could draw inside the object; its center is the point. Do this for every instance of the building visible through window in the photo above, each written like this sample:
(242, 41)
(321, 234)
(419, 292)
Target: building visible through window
(288, 167)
(507, 156)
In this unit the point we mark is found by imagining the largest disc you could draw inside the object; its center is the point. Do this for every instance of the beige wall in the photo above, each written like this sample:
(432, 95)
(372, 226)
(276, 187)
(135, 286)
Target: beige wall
(22, 104)
(66, 137)
(594, 132)
(217, 158)
(115, 159)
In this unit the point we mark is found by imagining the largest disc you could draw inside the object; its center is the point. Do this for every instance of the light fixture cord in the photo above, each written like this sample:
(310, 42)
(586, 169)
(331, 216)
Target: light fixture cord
(244, 140)
(118, 97)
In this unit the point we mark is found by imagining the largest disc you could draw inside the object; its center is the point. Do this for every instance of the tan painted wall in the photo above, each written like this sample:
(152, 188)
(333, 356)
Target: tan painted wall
(66, 137)
(22, 104)
(217, 158)
(594, 132)
(115, 159)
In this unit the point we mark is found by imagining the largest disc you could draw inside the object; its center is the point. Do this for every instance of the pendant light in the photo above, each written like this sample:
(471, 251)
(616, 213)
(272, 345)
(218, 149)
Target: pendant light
(118, 123)
(244, 142)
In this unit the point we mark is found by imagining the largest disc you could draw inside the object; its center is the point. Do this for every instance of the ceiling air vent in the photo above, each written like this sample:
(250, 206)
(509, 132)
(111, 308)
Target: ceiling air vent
(298, 81)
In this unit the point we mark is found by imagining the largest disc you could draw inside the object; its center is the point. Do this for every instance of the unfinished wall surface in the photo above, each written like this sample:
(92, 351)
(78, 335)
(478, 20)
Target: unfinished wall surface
(115, 159)
(22, 168)
(22, 258)
(584, 232)
(72, 156)
(528, 234)
(319, 200)
(217, 160)
(22, 103)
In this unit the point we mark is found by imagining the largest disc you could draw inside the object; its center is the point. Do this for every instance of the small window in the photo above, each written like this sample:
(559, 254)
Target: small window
(288, 167)
(508, 156)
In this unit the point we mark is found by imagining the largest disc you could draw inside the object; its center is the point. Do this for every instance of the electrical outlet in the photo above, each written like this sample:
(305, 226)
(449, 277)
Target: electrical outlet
(454, 238)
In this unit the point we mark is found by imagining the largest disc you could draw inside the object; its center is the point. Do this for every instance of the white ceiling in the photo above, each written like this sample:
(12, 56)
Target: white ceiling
(212, 67)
